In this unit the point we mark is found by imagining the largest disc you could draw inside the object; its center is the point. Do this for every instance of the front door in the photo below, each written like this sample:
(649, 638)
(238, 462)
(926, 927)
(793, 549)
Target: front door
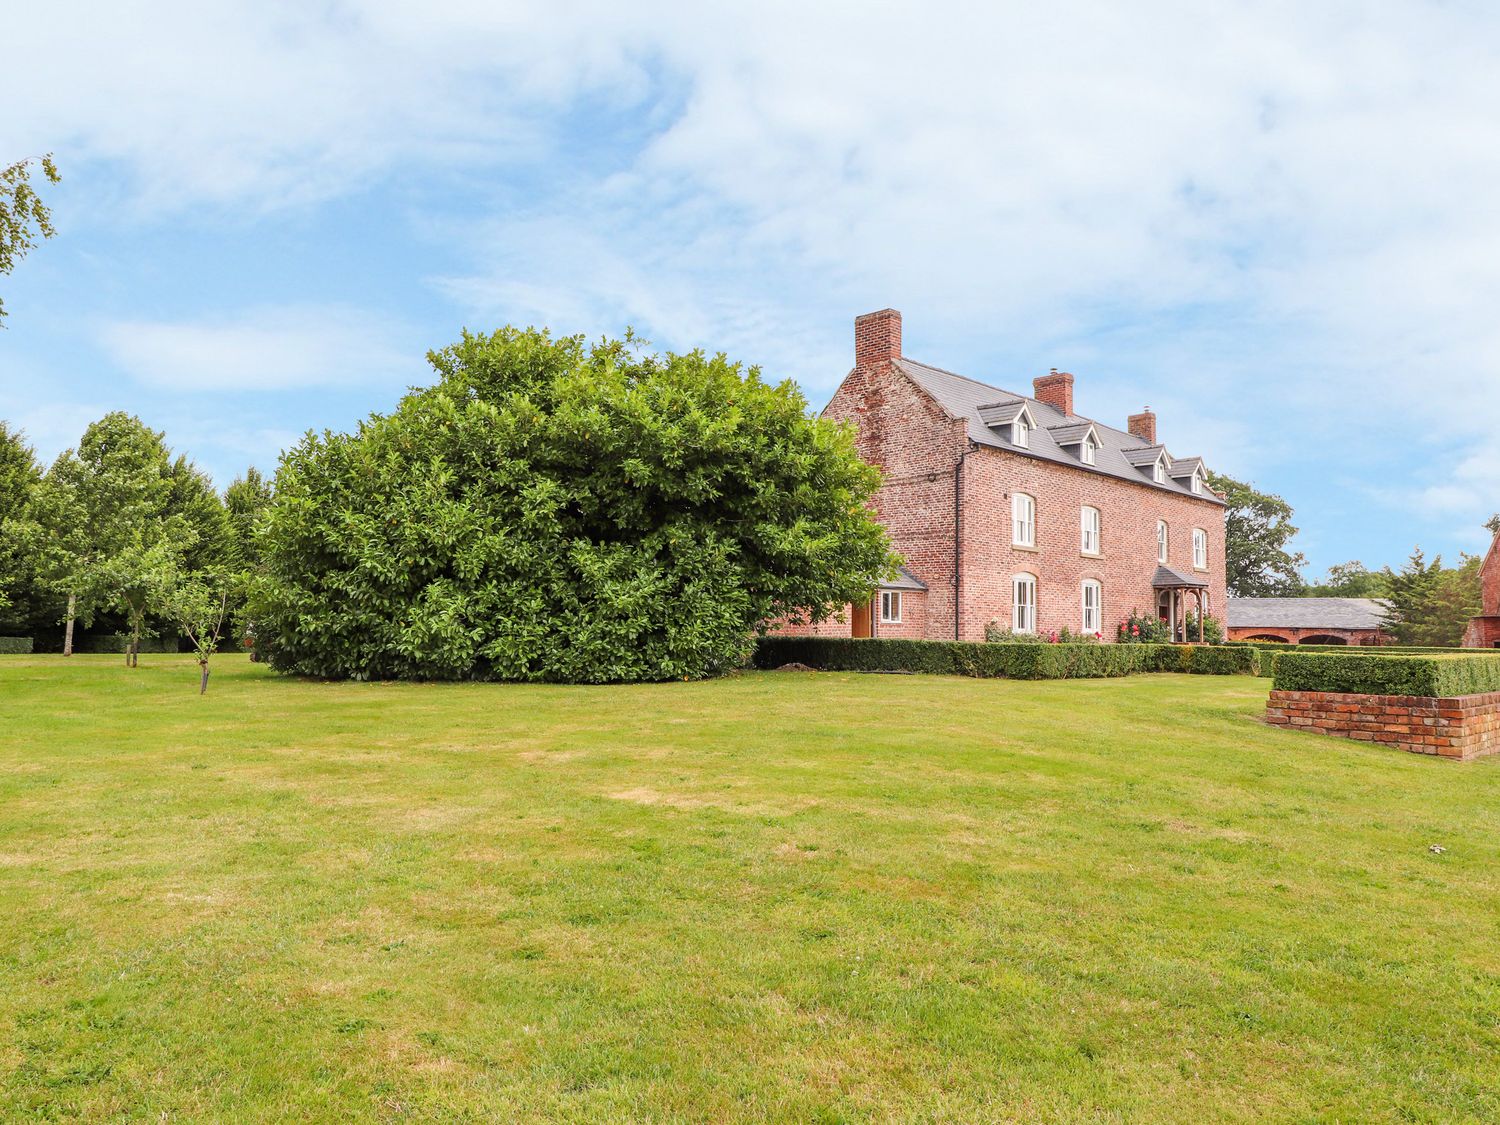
(860, 620)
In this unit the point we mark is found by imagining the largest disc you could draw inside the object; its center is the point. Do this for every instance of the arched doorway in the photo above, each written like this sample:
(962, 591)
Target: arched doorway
(1272, 637)
(1323, 639)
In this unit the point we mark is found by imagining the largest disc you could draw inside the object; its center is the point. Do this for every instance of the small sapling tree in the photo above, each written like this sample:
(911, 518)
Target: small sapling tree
(199, 604)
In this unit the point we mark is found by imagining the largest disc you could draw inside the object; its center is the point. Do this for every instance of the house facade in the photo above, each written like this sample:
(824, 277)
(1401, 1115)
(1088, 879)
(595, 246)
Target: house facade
(1309, 621)
(1484, 630)
(1018, 511)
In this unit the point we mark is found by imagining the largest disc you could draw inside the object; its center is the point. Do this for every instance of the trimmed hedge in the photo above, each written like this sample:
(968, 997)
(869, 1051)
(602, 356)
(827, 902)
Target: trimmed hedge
(1271, 653)
(115, 643)
(1387, 675)
(1009, 661)
(15, 646)
(1276, 646)
(1216, 660)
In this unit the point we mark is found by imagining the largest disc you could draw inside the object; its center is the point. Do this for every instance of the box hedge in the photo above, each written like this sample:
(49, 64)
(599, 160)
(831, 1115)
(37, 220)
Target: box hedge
(1009, 661)
(1278, 646)
(1271, 652)
(115, 643)
(1365, 674)
(15, 646)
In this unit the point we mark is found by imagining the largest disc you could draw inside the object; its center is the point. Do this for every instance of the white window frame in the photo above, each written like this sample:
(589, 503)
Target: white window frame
(890, 607)
(1159, 471)
(1020, 432)
(1022, 527)
(1163, 541)
(1200, 548)
(1196, 484)
(1084, 531)
(1023, 612)
(1095, 587)
(1088, 452)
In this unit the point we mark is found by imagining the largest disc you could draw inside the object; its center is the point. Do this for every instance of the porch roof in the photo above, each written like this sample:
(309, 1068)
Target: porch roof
(1169, 579)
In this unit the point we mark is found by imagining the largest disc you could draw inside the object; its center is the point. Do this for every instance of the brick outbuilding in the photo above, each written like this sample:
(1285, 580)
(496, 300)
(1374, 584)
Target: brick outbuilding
(1484, 630)
(1017, 510)
(1310, 621)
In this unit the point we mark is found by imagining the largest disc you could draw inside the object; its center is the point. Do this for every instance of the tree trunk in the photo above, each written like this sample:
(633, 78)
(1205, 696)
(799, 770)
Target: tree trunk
(203, 683)
(68, 632)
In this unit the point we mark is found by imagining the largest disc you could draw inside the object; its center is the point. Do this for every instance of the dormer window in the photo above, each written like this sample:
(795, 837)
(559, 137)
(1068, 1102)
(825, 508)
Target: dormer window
(1196, 483)
(1013, 419)
(1078, 438)
(1159, 472)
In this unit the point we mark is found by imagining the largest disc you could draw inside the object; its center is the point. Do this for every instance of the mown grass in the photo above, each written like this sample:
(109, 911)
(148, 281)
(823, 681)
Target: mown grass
(802, 897)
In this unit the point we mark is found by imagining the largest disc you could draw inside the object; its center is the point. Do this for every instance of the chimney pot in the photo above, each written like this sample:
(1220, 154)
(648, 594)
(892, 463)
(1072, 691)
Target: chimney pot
(877, 337)
(1055, 389)
(1143, 426)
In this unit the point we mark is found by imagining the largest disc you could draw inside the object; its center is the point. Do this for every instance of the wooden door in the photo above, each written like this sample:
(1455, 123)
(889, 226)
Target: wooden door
(860, 620)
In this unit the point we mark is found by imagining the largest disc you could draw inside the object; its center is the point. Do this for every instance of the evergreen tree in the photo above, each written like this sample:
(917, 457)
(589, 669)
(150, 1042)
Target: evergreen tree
(1431, 605)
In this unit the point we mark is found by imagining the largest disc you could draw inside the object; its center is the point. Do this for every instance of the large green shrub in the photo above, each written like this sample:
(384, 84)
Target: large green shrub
(1387, 675)
(1035, 661)
(555, 511)
(15, 646)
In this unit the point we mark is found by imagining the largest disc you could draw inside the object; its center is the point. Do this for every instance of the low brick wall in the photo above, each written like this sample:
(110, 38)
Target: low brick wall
(1462, 727)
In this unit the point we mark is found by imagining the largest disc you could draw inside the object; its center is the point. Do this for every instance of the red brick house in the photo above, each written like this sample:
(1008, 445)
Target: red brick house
(1017, 510)
(1484, 630)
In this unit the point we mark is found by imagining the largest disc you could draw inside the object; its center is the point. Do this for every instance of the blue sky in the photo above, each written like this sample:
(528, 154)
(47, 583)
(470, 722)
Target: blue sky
(1276, 226)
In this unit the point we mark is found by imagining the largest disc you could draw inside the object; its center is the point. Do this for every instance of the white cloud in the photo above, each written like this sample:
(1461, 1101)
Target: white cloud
(264, 350)
(1274, 220)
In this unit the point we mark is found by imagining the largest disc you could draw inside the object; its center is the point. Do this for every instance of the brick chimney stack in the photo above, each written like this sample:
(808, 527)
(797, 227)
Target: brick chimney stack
(1143, 426)
(877, 337)
(1055, 389)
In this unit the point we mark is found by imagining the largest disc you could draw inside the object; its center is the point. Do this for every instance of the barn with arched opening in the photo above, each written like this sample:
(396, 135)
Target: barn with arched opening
(1309, 621)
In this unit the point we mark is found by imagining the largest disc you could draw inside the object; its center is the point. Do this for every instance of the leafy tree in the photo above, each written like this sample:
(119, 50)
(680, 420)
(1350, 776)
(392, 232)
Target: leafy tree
(138, 580)
(245, 501)
(1348, 580)
(19, 535)
(1257, 529)
(1492, 525)
(198, 604)
(104, 508)
(24, 218)
(1431, 605)
(556, 511)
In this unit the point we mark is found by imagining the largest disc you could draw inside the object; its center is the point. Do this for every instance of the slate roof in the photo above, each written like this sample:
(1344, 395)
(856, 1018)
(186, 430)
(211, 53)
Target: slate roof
(1166, 579)
(964, 397)
(1071, 433)
(904, 580)
(1307, 613)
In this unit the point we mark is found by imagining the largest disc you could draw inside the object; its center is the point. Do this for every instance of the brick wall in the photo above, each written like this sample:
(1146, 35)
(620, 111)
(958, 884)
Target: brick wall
(913, 623)
(1484, 631)
(1462, 727)
(1364, 637)
(1489, 580)
(1124, 567)
(916, 444)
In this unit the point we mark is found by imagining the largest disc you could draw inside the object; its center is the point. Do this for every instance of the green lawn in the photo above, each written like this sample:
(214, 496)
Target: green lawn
(802, 897)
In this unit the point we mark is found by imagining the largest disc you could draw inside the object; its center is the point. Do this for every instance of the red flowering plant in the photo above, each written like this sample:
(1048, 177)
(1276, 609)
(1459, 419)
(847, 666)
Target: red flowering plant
(1143, 629)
